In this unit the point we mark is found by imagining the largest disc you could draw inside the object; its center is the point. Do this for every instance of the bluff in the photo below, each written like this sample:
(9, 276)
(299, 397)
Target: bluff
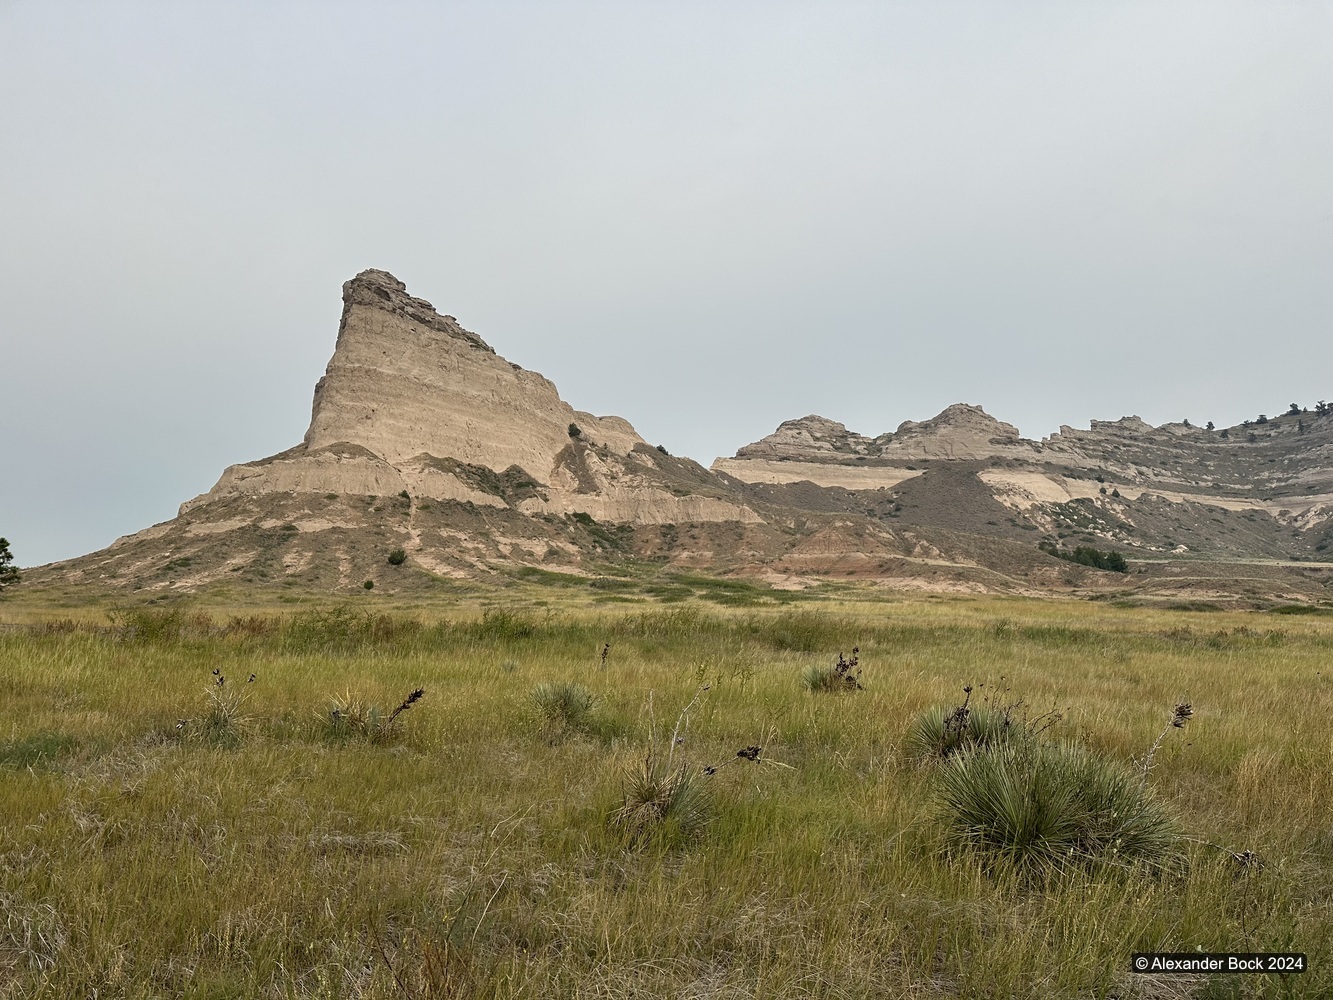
(411, 401)
(1262, 489)
(429, 458)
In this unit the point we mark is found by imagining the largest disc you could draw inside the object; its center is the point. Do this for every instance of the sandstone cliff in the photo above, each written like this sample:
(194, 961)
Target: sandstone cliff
(406, 381)
(411, 400)
(1260, 489)
(427, 446)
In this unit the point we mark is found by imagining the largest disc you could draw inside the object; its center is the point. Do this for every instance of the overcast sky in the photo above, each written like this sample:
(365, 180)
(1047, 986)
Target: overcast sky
(706, 218)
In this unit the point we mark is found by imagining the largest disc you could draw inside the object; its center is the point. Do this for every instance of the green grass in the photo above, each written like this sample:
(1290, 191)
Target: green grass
(940, 732)
(474, 855)
(1048, 807)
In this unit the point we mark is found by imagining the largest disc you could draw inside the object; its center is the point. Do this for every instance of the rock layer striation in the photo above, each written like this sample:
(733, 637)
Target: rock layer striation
(411, 400)
(423, 439)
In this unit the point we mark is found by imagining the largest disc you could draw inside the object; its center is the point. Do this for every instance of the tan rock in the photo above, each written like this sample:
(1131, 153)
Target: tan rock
(960, 431)
(408, 392)
(849, 477)
(404, 381)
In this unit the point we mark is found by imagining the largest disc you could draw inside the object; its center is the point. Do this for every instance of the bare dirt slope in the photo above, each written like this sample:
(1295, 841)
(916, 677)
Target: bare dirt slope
(426, 446)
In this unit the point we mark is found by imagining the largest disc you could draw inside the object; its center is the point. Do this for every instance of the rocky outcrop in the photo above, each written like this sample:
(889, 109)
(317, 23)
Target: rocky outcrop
(1286, 455)
(411, 401)
(809, 437)
(423, 439)
(406, 381)
(960, 431)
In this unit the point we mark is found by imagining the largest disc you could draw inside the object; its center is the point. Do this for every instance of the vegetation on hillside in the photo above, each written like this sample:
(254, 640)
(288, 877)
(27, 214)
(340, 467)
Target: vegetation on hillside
(1087, 555)
(9, 573)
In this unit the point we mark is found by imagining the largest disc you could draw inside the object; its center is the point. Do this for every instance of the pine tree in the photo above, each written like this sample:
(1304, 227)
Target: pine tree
(9, 573)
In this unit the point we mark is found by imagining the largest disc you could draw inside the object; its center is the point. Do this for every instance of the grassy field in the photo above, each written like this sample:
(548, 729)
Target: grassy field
(163, 836)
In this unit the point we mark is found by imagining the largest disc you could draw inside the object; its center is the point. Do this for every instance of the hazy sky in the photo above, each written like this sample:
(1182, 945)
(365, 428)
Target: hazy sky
(706, 218)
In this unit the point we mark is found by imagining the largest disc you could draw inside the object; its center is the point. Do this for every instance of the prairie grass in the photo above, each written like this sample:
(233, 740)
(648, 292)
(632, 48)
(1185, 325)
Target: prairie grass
(566, 707)
(472, 855)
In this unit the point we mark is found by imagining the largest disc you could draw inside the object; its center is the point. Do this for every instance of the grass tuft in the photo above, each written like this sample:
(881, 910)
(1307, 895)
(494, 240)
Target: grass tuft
(349, 718)
(841, 678)
(1050, 807)
(38, 750)
(564, 704)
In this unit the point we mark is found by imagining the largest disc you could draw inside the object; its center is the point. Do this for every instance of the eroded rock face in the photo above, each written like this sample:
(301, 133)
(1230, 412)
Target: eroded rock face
(960, 431)
(406, 381)
(412, 402)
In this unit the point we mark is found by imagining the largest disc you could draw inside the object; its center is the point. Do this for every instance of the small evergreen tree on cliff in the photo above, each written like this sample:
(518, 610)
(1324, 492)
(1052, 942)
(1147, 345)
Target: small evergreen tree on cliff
(9, 574)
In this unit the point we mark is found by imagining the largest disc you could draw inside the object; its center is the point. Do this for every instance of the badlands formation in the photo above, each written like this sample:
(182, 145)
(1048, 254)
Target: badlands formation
(423, 439)
(413, 402)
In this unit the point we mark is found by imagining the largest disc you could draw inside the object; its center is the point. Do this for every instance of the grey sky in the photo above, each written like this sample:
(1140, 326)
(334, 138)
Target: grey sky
(706, 218)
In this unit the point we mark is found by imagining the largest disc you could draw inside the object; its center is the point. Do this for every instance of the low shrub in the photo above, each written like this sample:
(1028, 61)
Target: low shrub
(348, 718)
(502, 624)
(843, 676)
(1050, 807)
(1087, 555)
(940, 732)
(564, 704)
(163, 625)
(397, 557)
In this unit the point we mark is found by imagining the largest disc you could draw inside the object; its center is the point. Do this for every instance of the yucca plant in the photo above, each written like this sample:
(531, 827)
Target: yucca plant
(348, 718)
(1180, 715)
(1050, 807)
(222, 721)
(663, 802)
(939, 732)
(843, 676)
(564, 704)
